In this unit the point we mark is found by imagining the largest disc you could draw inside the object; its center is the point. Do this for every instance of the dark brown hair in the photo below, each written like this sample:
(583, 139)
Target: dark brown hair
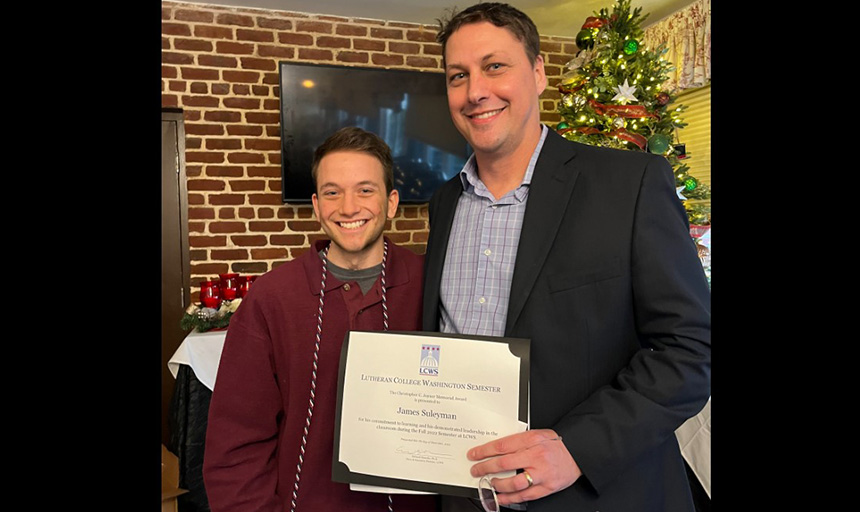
(500, 15)
(352, 138)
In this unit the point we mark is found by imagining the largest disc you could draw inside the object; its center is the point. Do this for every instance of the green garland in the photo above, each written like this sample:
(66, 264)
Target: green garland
(189, 322)
(207, 319)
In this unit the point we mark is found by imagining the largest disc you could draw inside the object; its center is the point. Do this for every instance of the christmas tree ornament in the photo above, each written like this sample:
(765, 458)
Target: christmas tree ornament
(631, 46)
(571, 81)
(567, 100)
(585, 39)
(681, 150)
(658, 144)
(207, 313)
(678, 191)
(562, 125)
(569, 77)
(594, 22)
(618, 122)
(579, 101)
(663, 98)
(582, 58)
(690, 184)
(624, 93)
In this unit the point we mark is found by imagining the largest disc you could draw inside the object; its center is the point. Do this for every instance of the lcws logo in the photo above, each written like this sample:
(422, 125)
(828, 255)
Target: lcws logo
(429, 360)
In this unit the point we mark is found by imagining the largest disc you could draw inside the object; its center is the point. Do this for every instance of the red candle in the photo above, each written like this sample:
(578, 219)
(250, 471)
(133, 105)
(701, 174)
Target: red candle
(229, 286)
(210, 294)
(245, 284)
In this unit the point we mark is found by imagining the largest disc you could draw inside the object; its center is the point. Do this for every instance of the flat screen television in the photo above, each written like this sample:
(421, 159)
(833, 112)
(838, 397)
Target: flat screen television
(408, 109)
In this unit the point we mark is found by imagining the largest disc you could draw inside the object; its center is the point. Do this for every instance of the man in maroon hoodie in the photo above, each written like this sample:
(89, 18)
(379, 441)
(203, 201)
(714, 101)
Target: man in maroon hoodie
(271, 418)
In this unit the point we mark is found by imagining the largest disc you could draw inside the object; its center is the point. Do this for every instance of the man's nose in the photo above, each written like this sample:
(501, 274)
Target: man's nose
(478, 88)
(349, 205)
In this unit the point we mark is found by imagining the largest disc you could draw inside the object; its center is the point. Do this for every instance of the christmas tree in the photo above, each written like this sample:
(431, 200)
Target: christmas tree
(611, 95)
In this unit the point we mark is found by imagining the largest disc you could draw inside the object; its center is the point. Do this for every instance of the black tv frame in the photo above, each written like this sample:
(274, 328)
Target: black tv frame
(361, 90)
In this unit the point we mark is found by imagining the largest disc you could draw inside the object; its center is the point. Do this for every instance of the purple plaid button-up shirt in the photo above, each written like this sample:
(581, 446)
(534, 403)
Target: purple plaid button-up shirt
(482, 250)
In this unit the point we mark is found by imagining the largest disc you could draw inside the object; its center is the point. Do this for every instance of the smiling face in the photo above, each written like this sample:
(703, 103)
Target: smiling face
(493, 90)
(352, 206)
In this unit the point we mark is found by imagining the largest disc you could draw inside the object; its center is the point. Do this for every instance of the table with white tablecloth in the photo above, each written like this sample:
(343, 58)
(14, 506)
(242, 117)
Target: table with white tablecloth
(194, 365)
(202, 352)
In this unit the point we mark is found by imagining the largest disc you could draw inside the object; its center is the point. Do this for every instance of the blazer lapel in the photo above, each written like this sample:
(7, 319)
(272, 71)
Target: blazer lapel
(552, 183)
(443, 218)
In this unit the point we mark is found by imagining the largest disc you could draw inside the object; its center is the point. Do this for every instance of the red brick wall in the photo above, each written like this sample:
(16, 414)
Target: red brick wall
(219, 65)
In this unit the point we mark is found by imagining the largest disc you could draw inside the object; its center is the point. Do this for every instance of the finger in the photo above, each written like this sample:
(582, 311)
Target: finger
(510, 444)
(502, 463)
(499, 446)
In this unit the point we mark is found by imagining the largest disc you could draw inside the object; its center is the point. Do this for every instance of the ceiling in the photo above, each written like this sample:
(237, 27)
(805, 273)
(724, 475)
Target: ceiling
(552, 17)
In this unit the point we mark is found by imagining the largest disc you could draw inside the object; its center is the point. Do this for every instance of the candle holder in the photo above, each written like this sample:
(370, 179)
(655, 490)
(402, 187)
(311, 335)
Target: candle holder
(229, 286)
(245, 285)
(210, 294)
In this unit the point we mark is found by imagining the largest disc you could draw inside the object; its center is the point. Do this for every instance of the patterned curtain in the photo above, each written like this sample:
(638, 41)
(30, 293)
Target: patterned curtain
(687, 35)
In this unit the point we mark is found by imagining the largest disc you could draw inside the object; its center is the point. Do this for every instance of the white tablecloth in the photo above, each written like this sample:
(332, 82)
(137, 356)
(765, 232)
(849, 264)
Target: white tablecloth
(202, 352)
(694, 437)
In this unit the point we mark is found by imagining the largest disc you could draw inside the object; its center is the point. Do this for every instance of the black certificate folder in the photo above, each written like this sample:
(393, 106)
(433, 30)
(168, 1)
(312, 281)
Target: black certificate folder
(410, 404)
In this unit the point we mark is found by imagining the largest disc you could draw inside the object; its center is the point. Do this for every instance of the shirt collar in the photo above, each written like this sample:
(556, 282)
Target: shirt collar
(469, 174)
(397, 272)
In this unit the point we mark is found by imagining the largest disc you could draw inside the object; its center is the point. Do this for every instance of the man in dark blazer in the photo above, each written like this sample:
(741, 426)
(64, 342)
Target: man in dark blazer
(604, 279)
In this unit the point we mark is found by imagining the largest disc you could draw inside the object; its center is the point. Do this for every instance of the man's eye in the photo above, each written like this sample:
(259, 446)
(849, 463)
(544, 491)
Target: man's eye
(456, 76)
(494, 67)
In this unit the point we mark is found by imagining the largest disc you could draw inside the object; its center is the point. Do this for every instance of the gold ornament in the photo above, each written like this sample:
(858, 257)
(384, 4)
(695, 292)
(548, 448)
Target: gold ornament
(572, 78)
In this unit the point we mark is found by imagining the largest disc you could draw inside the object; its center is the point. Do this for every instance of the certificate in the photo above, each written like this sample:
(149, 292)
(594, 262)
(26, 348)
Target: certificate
(410, 405)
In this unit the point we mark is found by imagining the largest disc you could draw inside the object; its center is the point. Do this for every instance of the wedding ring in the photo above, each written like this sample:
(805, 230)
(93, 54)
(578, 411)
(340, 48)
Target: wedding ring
(529, 478)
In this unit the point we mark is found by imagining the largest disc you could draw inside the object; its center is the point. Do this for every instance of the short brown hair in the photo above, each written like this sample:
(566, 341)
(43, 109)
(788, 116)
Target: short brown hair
(500, 15)
(352, 138)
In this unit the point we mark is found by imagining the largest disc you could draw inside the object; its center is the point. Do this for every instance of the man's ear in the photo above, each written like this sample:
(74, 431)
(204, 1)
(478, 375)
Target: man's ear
(540, 75)
(393, 201)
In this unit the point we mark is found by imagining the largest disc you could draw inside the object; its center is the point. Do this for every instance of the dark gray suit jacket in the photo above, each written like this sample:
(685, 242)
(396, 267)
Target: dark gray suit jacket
(609, 288)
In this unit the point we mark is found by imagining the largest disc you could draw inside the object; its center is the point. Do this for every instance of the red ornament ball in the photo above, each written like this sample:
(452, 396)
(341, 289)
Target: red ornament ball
(663, 98)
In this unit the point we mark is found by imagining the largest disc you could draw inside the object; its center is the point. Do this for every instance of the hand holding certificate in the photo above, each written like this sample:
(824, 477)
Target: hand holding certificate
(410, 406)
